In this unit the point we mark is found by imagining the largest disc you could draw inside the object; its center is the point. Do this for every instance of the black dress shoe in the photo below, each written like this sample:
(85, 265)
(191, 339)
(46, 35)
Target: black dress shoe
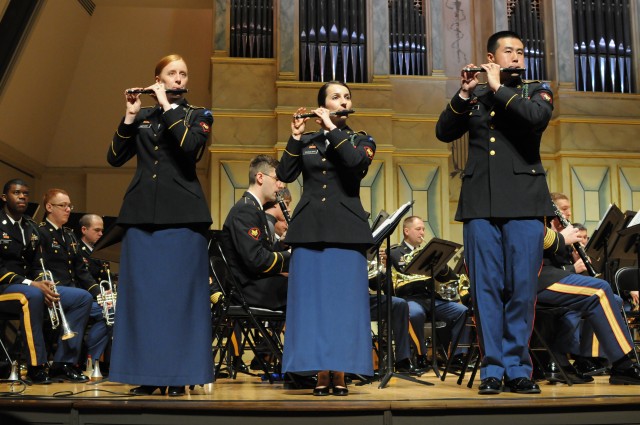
(590, 366)
(147, 390)
(176, 391)
(554, 375)
(38, 375)
(339, 390)
(628, 376)
(67, 372)
(422, 362)
(490, 386)
(522, 386)
(405, 366)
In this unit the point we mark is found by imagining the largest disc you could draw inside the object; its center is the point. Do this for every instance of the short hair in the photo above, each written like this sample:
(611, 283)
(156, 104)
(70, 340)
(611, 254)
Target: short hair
(17, 182)
(286, 194)
(166, 61)
(322, 93)
(87, 219)
(261, 164)
(407, 221)
(557, 195)
(494, 40)
(48, 196)
(579, 226)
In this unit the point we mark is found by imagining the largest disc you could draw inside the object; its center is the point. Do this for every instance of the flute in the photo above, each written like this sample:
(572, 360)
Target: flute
(337, 113)
(512, 70)
(149, 91)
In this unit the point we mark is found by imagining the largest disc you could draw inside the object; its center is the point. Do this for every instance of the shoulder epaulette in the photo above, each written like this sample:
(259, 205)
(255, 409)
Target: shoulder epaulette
(531, 81)
(395, 245)
(195, 107)
(364, 133)
(42, 224)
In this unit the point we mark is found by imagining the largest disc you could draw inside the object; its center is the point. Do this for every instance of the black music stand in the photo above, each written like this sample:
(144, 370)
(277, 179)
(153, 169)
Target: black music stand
(604, 238)
(380, 234)
(429, 261)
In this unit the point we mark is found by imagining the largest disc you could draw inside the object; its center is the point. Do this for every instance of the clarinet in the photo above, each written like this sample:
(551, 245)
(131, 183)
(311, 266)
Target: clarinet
(283, 207)
(577, 246)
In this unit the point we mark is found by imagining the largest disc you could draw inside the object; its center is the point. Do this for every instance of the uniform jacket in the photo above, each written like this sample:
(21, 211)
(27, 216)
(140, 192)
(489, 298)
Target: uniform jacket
(62, 257)
(329, 211)
(97, 268)
(248, 247)
(165, 189)
(503, 176)
(556, 263)
(17, 260)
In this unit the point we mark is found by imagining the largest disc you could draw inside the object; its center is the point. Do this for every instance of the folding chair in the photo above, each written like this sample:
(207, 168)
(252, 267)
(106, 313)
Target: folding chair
(627, 279)
(10, 305)
(232, 310)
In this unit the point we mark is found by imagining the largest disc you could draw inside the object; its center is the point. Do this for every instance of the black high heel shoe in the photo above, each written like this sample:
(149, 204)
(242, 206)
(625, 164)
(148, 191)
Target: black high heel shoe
(176, 391)
(322, 390)
(339, 390)
(147, 390)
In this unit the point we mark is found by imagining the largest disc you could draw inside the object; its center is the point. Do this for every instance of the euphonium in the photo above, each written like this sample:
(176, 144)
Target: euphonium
(107, 299)
(56, 313)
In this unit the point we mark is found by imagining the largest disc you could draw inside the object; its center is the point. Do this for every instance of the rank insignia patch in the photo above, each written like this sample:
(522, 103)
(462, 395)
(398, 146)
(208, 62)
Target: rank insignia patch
(546, 97)
(254, 232)
(205, 127)
(369, 152)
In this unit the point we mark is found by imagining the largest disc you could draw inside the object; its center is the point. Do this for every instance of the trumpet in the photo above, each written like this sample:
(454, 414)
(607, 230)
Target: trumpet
(56, 314)
(107, 299)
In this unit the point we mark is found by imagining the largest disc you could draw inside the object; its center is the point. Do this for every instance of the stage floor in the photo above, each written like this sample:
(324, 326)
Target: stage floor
(247, 398)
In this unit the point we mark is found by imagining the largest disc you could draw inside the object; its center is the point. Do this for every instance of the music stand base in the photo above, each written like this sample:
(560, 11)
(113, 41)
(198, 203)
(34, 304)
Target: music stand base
(385, 379)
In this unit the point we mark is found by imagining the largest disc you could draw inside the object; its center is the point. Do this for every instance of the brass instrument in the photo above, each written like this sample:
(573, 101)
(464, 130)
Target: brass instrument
(107, 299)
(56, 314)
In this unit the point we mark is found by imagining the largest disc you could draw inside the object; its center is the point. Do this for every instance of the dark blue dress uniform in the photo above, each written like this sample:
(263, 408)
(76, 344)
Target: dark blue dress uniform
(451, 312)
(20, 262)
(588, 296)
(162, 330)
(328, 318)
(255, 264)
(503, 198)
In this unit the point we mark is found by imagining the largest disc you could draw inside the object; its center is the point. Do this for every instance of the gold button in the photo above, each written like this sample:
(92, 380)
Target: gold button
(492, 152)
(492, 126)
(155, 148)
(324, 172)
(323, 199)
(153, 177)
(492, 113)
(470, 113)
(324, 159)
(324, 186)
(155, 162)
(493, 139)
(533, 171)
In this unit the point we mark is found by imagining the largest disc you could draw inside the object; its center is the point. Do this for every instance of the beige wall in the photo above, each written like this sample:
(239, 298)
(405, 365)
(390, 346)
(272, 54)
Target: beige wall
(63, 100)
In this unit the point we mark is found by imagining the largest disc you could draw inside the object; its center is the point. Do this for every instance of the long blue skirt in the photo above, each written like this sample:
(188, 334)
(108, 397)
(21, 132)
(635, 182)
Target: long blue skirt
(162, 331)
(328, 318)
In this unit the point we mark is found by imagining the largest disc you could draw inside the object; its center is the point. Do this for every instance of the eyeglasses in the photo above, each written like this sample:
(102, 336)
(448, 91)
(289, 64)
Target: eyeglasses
(273, 177)
(64, 206)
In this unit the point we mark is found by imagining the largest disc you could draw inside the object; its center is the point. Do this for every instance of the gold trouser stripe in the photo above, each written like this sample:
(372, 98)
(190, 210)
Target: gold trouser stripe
(604, 303)
(415, 339)
(595, 347)
(234, 342)
(26, 323)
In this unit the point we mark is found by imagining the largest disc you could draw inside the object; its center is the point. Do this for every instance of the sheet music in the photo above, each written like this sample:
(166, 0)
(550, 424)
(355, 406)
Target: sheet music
(635, 220)
(393, 218)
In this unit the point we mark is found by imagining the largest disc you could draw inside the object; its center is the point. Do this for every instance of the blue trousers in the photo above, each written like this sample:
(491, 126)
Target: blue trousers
(504, 257)
(76, 304)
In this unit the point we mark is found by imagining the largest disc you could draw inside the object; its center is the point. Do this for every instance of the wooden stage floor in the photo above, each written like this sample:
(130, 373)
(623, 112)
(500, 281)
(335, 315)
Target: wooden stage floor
(248, 400)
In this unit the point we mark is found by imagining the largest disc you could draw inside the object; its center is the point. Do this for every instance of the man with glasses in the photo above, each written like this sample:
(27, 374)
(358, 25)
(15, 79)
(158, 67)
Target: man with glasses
(20, 291)
(62, 257)
(248, 243)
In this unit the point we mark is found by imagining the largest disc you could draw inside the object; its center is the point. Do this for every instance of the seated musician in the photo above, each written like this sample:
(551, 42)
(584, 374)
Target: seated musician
(452, 313)
(404, 316)
(592, 299)
(99, 336)
(248, 243)
(63, 257)
(19, 266)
